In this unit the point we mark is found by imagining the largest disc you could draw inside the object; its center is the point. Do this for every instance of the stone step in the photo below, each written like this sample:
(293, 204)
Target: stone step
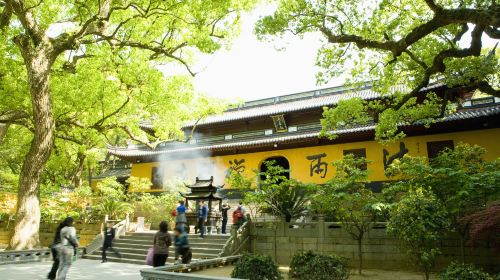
(150, 235)
(147, 245)
(142, 255)
(171, 250)
(111, 258)
(192, 240)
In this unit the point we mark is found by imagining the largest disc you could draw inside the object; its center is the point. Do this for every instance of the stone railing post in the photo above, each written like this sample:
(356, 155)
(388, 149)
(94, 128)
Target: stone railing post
(321, 233)
(103, 224)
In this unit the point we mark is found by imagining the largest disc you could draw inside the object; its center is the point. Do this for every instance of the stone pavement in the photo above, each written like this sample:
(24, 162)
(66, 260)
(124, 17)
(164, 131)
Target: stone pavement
(80, 270)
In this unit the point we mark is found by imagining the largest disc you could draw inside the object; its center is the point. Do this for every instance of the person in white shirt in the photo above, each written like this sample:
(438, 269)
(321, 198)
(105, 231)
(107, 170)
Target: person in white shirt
(67, 248)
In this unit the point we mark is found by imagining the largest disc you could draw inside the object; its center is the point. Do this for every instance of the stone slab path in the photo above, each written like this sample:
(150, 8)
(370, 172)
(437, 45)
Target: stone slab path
(81, 269)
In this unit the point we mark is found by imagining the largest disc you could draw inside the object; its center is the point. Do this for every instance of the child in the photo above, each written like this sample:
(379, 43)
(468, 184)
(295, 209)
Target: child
(109, 236)
(182, 246)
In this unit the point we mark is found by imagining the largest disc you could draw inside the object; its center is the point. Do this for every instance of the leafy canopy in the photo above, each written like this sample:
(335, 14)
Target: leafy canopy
(400, 47)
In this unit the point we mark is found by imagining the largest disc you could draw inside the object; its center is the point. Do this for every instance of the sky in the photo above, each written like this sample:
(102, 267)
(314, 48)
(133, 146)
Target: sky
(253, 69)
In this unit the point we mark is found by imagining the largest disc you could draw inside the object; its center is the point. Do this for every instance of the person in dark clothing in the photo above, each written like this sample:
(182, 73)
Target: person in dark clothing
(202, 217)
(182, 246)
(225, 208)
(162, 241)
(53, 248)
(109, 236)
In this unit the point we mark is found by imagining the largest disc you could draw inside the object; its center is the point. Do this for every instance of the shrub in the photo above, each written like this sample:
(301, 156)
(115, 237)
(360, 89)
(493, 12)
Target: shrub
(256, 267)
(299, 262)
(419, 220)
(311, 266)
(462, 271)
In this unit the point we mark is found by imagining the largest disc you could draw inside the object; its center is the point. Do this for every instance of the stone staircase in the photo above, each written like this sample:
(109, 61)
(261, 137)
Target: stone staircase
(134, 246)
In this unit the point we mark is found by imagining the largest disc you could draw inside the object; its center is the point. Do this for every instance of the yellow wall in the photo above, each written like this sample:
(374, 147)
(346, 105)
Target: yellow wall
(300, 165)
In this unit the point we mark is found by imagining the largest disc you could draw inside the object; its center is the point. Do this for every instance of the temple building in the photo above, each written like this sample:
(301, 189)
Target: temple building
(287, 128)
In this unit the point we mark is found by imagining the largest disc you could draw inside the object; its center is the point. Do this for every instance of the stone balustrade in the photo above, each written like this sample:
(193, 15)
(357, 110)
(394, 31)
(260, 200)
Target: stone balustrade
(9, 257)
(180, 271)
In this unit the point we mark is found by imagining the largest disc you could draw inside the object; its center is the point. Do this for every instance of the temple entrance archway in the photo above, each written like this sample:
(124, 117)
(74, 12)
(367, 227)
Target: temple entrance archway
(279, 161)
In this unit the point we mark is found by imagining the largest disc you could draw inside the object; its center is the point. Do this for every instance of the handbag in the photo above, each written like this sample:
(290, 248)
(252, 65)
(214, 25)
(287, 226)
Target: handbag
(149, 256)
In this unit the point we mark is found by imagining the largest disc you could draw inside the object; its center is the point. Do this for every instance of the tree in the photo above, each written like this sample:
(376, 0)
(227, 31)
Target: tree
(119, 42)
(419, 221)
(460, 179)
(347, 196)
(407, 43)
(483, 225)
(283, 197)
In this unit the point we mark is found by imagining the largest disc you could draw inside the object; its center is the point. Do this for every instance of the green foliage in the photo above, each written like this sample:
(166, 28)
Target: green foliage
(460, 179)
(419, 221)
(348, 112)
(399, 47)
(462, 271)
(155, 208)
(283, 197)
(312, 266)
(238, 181)
(256, 267)
(57, 205)
(347, 197)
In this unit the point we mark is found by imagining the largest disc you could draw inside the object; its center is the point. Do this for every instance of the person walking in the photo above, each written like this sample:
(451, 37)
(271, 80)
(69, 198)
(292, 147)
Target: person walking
(202, 217)
(182, 246)
(54, 249)
(67, 248)
(109, 236)
(225, 208)
(162, 241)
(180, 218)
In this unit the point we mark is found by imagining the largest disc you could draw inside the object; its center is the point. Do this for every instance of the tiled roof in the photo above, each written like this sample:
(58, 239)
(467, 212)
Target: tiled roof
(284, 138)
(290, 103)
(286, 107)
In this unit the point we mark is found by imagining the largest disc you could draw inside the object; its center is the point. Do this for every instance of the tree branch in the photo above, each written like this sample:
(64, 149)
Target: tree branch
(438, 65)
(27, 20)
(5, 16)
(132, 136)
(99, 123)
(493, 32)
(433, 6)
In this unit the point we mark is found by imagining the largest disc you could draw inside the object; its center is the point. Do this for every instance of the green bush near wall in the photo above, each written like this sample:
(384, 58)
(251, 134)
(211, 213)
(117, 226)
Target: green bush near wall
(256, 267)
(462, 271)
(312, 266)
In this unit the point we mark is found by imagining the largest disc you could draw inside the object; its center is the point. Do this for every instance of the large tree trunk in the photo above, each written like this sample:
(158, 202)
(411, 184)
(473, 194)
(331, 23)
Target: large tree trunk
(25, 234)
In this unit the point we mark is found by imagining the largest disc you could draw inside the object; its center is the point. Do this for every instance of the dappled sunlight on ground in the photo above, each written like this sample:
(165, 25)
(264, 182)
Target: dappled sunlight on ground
(81, 269)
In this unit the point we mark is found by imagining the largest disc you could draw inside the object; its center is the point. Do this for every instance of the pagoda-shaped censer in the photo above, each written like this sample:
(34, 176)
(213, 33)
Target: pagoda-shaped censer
(203, 190)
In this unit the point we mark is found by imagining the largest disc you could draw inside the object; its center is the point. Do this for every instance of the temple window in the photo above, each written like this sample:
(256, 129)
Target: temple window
(357, 153)
(436, 147)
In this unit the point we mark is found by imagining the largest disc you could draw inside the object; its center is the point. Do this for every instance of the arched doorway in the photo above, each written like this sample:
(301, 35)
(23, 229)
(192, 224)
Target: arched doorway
(279, 161)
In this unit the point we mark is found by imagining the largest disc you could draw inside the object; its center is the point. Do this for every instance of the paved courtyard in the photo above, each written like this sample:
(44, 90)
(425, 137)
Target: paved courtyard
(81, 269)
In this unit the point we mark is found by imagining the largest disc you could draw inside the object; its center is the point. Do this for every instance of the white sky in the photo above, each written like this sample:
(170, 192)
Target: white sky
(253, 69)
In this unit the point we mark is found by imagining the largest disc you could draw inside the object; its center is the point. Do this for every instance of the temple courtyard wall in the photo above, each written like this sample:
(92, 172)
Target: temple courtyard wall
(85, 232)
(380, 251)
